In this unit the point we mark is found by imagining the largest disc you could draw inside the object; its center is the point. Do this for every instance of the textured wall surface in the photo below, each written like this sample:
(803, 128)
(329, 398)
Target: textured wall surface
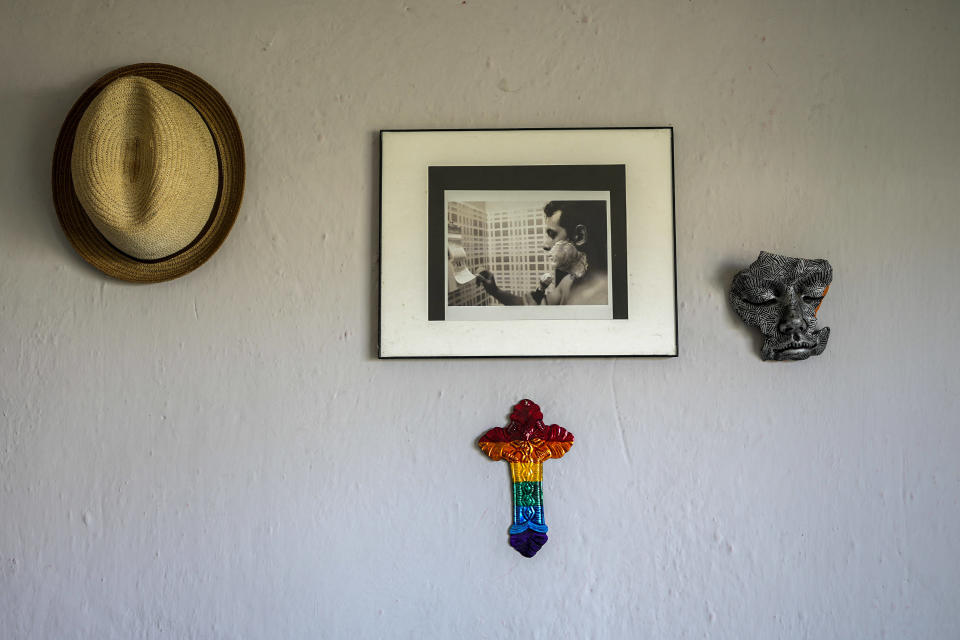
(222, 456)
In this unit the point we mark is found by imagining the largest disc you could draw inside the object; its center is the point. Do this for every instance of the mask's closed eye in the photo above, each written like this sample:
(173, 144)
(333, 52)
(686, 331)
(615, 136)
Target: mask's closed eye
(813, 295)
(754, 291)
(767, 302)
(759, 297)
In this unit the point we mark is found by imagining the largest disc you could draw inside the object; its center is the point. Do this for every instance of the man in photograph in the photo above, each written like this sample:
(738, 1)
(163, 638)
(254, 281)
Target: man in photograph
(575, 238)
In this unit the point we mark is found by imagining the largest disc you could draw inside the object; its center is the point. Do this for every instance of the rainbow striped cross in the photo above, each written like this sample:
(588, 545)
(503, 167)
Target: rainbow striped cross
(525, 444)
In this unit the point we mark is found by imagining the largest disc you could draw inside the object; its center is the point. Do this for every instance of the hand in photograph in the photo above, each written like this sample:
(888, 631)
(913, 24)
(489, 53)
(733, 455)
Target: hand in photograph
(489, 283)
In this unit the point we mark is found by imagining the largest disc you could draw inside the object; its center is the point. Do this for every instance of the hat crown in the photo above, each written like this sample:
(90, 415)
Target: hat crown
(145, 168)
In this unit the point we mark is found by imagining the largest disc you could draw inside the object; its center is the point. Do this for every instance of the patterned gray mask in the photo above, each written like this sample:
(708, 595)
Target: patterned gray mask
(781, 297)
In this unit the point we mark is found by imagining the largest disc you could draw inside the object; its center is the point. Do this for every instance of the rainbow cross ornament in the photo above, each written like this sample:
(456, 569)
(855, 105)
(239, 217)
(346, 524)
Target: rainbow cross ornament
(525, 443)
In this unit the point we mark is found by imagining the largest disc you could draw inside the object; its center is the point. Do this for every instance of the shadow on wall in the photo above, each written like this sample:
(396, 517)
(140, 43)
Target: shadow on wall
(26, 208)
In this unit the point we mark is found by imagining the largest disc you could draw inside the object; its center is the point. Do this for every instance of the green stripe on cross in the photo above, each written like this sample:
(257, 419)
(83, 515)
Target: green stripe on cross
(527, 494)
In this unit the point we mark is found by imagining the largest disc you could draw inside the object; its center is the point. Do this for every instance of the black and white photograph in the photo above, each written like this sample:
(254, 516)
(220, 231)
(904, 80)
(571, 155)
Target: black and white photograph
(534, 255)
(527, 242)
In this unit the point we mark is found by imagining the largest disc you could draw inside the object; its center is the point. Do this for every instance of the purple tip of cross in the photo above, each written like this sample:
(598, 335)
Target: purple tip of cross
(528, 542)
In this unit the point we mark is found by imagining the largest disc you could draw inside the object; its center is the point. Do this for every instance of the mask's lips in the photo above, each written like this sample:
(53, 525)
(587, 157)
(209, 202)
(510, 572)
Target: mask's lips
(795, 346)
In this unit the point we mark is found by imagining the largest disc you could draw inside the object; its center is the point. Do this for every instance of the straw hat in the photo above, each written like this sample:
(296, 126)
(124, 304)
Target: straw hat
(148, 173)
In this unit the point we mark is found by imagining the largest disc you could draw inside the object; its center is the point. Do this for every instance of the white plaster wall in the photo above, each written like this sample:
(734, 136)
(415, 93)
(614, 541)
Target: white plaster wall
(222, 456)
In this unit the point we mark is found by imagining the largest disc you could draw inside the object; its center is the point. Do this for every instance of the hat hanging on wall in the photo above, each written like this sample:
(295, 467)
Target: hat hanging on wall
(148, 173)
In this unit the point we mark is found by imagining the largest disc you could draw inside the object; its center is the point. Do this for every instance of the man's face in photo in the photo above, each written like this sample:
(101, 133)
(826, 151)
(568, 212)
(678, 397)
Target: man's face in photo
(553, 231)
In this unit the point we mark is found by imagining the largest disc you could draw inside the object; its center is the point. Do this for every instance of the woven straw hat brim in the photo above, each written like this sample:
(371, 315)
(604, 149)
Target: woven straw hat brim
(90, 243)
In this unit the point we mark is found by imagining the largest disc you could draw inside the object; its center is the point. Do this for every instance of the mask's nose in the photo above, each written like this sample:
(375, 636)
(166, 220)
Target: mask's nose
(791, 321)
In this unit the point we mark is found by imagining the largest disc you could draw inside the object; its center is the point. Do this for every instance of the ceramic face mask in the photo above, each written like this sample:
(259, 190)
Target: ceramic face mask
(781, 297)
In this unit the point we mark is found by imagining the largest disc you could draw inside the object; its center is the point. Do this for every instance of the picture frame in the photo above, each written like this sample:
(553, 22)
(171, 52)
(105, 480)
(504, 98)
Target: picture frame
(527, 243)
